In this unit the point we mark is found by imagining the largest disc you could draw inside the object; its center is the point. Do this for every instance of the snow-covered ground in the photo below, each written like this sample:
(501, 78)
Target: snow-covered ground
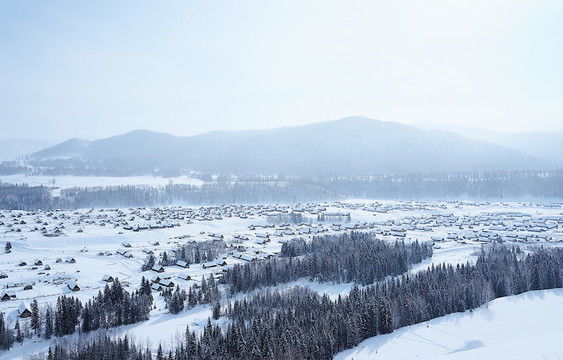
(67, 181)
(90, 235)
(526, 326)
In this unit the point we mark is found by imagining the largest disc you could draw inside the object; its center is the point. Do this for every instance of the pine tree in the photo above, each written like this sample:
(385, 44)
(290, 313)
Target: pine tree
(17, 330)
(159, 354)
(48, 324)
(217, 310)
(35, 318)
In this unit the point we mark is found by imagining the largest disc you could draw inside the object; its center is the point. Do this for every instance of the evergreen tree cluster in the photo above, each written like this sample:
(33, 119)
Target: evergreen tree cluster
(356, 257)
(205, 293)
(110, 308)
(24, 197)
(301, 324)
(67, 313)
(256, 189)
(6, 334)
(175, 300)
(116, 307)
(104, 347)
(201, 251)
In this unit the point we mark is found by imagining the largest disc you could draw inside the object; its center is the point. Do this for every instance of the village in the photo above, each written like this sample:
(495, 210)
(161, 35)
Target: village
(51, 253)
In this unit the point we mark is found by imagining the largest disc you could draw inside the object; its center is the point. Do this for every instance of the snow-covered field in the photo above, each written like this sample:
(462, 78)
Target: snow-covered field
(94, 238)
(65, 182)
(525, 326)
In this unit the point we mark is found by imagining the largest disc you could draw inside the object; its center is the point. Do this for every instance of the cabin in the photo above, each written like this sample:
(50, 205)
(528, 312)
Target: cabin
(3, 275)
(24, 310)
(184, 277)
(156, 279)
(247, 257)
(47, 267)
(28, 286)
(148, 251)
(182, 264)
(4, 296)
(38, 262)
(107, 278)
(209, 265)
(70, 260)
(166, 283)
(72, 286)
(128, 255)
(59, 260)
(158, 268)
(22, 263)
(156, 287)
(126, 244)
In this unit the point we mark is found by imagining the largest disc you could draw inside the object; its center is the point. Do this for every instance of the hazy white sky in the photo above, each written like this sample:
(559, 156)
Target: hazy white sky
(100, 68)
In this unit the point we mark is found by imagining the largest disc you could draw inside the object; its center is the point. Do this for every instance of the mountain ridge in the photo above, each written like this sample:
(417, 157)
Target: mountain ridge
(349, 146)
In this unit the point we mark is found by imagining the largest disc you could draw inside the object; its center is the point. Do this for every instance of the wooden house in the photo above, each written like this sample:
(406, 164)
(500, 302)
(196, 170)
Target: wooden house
(24, 310)
(166, 283)
(158, 268)
(107, 278)
(184, 277)
(182, 264)
(72, 285)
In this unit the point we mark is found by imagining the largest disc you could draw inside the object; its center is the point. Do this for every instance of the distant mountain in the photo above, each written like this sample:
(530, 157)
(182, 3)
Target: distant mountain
(351, 146)
(543, 145)
(12, 148)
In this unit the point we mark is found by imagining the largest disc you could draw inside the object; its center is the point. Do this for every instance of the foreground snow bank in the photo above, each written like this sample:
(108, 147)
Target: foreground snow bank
(526, 326)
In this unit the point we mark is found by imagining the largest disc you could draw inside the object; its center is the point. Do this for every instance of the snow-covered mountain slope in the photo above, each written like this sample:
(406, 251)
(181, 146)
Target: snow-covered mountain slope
(525, 326)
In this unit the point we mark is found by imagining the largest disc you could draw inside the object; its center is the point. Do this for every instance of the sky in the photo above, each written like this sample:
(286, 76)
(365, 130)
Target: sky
(101, 68)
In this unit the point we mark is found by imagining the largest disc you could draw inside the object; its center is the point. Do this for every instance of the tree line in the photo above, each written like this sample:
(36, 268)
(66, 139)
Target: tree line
(474, 185)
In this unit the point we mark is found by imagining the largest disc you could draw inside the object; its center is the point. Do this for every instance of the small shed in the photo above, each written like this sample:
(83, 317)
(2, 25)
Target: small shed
(107, 278)
(28, 286)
